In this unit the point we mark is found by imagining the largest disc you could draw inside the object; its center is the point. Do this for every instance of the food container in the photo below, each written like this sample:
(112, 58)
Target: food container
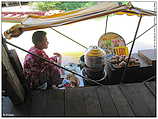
(119, 62)
(95, 57)
(95, 63)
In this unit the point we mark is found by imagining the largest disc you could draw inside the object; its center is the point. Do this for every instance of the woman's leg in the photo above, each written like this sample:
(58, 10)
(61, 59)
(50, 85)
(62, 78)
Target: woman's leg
(54, 76)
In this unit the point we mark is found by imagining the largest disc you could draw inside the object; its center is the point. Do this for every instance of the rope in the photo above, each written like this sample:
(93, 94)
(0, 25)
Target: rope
(149, 79)
(69, 38)
(52, 62)
(142, 34)
(106, 24)
(124, 71)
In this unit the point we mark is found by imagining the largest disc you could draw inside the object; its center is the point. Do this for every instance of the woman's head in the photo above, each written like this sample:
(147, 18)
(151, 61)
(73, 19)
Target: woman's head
(39, 39)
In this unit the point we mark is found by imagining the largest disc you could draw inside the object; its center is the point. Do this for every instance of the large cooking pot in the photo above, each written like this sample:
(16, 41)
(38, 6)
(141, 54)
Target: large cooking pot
(94, 57)
(94, 60)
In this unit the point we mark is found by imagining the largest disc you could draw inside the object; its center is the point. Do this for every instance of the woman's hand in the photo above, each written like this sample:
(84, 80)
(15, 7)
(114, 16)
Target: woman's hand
(59, 57)
(57, 54)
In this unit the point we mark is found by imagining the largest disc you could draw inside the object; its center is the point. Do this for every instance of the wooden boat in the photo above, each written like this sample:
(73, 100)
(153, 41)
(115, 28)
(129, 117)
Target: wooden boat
(133, 96)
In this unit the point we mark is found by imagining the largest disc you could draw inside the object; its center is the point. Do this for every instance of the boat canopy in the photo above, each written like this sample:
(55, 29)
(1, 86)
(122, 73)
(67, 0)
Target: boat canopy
(33, 22)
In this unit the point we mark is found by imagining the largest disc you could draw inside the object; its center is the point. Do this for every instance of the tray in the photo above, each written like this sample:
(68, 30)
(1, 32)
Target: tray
(116, 67)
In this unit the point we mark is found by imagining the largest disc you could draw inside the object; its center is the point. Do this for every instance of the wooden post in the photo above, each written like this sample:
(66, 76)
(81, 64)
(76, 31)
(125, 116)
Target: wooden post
(16, 93)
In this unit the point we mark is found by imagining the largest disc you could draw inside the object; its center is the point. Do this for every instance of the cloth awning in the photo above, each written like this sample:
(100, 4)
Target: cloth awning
(17, 17)
(33, 22)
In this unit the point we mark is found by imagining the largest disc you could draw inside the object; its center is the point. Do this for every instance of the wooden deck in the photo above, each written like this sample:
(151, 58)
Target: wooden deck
(125, 100)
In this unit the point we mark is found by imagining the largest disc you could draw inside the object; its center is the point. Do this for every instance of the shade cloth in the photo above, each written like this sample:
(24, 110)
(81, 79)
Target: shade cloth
(33, 22)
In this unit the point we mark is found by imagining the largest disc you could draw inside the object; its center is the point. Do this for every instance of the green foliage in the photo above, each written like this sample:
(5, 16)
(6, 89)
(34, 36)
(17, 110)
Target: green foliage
(124, 2)
(45, 6)
(67, 6)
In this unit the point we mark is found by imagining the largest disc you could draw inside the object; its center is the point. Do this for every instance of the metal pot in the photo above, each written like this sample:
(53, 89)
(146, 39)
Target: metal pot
(95, 58)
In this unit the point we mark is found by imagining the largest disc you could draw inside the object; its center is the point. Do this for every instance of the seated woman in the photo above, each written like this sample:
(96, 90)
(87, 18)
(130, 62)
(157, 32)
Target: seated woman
(34, 67)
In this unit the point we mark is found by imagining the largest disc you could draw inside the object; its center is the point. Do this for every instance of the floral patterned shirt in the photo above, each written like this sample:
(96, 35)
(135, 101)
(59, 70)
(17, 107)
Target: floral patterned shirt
(34, 66)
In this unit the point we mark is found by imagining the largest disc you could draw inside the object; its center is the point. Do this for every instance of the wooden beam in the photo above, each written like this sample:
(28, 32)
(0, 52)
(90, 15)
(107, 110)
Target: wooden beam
(16, 92)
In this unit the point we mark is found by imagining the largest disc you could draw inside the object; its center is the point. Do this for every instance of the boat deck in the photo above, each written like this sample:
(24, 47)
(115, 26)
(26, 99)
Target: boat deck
(135, 99)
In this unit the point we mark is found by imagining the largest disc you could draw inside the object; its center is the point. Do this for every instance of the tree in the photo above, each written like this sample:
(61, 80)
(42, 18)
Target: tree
(67, 6)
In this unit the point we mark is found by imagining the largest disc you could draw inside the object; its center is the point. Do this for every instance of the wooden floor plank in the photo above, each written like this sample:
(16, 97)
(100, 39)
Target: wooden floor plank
(22, 110)
(149, 99)
(106, 103)
(9, 109)
(137, 99)
(123, 100)
(92, 102)
(74, 102)
(38, 103)
(151, 86)
(120, 101)
(55, 103)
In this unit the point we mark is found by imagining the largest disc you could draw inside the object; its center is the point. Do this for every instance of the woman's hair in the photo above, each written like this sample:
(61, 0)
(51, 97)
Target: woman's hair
(38, 36)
